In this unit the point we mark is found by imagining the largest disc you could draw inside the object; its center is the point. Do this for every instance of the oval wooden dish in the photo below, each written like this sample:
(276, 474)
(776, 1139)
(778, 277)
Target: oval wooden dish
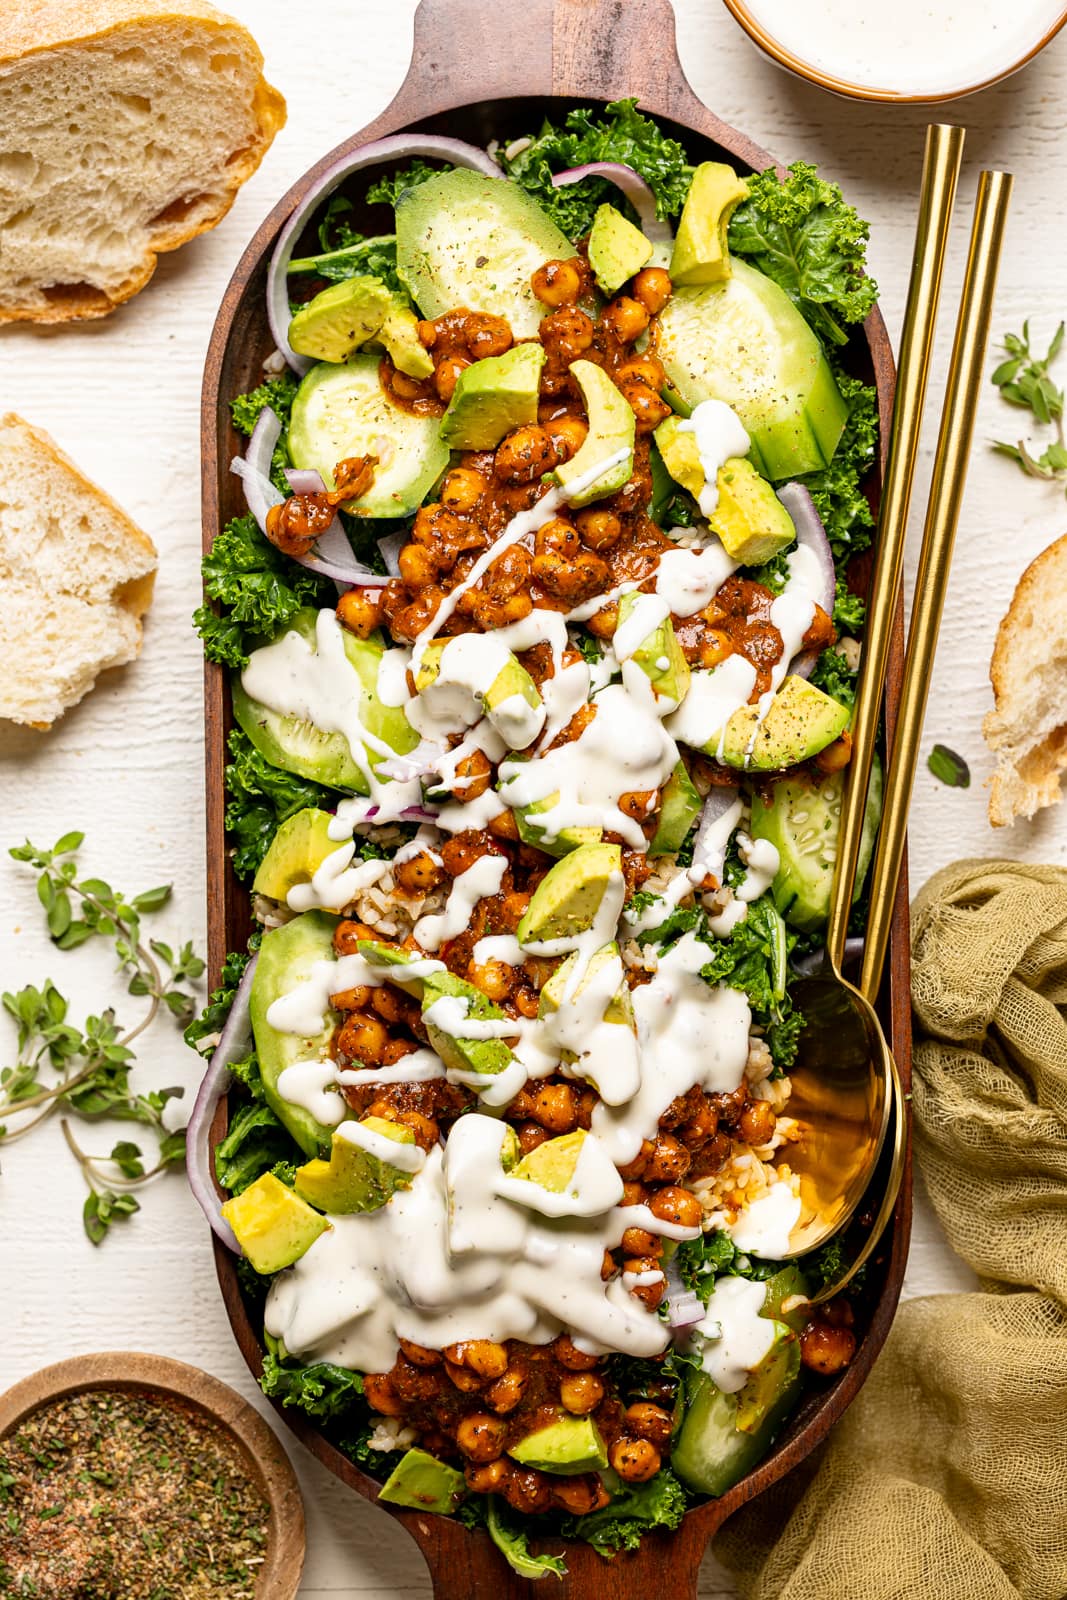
(471, 78)
(261, 1452)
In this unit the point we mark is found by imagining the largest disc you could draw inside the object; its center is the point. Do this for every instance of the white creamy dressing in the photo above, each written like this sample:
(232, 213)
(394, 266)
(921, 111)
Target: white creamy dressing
(646, 614)
(715, 693)
(914, 47)
(762, 861)
(502, 947)
(465, 689)
(477, 883)
(720, 435)
(460, 1255)
(624, 749)
(406, 1157)
(763, 1227)
(319, 684)
(690, 579)
(732, 1336)
(336, 882)
(311, 1086)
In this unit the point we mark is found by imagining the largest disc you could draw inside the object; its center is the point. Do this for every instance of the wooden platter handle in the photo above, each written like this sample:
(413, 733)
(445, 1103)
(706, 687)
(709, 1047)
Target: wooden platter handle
(465, 1566)
(466, 50)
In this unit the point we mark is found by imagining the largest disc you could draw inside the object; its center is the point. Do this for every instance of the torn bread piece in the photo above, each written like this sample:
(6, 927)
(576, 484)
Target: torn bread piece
(1027, 728)
(76, 578)
(128, 128)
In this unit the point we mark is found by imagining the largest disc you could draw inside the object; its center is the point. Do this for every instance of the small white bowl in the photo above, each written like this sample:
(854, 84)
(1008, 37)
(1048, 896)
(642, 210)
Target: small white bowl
(1026, 38)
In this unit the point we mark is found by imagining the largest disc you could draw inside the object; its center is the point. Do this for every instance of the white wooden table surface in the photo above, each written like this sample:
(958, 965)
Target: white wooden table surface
(123, 397)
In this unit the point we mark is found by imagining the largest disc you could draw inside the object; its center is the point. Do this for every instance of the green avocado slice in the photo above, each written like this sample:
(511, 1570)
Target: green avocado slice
(286, 957)
(421, 1481)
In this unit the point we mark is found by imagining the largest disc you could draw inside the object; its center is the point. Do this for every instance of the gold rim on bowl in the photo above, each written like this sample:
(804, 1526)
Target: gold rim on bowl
(855, 91)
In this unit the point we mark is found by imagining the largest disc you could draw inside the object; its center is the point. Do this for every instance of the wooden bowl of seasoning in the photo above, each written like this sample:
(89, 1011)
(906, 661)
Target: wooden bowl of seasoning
(132, 1474)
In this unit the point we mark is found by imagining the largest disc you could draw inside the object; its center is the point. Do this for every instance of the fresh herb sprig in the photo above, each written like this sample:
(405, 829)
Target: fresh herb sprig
(1024, 380)
(85, 1071)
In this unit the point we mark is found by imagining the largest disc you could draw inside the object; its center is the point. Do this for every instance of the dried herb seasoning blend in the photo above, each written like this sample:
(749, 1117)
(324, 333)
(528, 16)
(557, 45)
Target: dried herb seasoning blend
(126, 1495)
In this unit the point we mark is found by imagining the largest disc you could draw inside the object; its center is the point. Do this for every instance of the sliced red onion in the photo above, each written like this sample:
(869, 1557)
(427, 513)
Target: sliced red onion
(409, 814)
(304, 480)
(398, 147)
(633, 187)
(390, 546)
(332, 556)
(234, 1042)
(812, 536)
(253, 468)
(709, 842)
(809, 965)
(684, 1310)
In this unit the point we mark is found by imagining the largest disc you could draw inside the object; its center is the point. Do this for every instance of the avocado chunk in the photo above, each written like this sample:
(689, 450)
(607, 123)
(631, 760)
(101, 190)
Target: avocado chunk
(563, 842)
(421, 1481)
(680, 454)
(801, 818)
(399, 333)
(567, 899)
(295, 854)
(552, 1164)
(286, 958)
(723, 1436)
(486, 1057)
(659, 655)
(619, 1008)
(510, 702)
(616, 249)
(298, 745)
(340, 319)
(679, 809)
(586, 1053)
(701, 253)
(354, 1179)
(612, 431)
(272, 1225)
(492, 397)
(802, 721)
(750, 520)
(568, 1446)
(744, 342)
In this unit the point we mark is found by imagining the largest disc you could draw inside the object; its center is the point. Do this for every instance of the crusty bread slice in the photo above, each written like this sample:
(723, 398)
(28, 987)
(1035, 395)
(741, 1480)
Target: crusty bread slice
(126, 127)
(1027, 728)
(76, 578)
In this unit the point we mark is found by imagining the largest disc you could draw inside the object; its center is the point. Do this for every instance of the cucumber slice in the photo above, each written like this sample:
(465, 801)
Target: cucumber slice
(801, 819)
(743, 341)
(342, 411)
(466, 240)
(297, 745)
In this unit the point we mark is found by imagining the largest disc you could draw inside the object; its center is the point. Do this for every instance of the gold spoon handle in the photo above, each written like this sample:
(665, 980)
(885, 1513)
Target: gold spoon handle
(941, 166)
(935, 559)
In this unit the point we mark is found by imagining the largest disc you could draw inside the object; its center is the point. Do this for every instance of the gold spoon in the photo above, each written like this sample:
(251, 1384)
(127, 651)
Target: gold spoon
(845, 1083)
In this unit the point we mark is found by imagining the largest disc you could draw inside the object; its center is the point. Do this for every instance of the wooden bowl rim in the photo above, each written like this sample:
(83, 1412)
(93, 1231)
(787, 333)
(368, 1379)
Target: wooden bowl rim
(789, 1450)
(261, 1451)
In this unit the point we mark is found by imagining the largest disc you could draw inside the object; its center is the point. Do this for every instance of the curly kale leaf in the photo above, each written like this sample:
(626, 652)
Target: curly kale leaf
(261, 798)
(804, 235)
(213, 1017)
(260, 589)
(850, 610)
(616, 132)
(322, 1390)
(512, 1542)
(373, 257)
(387, 190)
(255, 1143)
(837, 490)
(714, 1255)
(245, 409)
(634, 1510)
(833, 675)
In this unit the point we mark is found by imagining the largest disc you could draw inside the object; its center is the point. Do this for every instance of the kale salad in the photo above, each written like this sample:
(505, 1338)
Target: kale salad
(542, 647)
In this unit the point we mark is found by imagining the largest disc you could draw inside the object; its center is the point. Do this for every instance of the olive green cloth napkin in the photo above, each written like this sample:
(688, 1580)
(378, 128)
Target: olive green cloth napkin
(947, 1477)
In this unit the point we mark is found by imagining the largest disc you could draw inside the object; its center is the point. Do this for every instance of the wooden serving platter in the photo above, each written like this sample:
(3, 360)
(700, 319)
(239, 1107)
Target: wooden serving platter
(475, 76)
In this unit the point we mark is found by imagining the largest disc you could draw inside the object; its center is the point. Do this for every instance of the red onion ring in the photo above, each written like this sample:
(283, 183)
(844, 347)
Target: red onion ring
(333, 556)
(390, 546)
(633, 187)
(234, 1042)
(398, 147)
(720, 798)
(811, 534)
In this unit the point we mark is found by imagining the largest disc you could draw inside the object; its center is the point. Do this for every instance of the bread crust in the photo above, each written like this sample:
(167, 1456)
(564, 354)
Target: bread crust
(31, 28)
(1022, 786)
